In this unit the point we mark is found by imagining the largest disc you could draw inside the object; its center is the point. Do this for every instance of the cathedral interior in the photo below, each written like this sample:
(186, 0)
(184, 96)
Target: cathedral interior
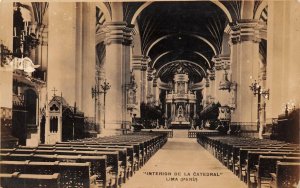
(124, 74)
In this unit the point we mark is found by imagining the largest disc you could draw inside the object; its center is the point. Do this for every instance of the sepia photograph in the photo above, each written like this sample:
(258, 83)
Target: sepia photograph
(150, 94)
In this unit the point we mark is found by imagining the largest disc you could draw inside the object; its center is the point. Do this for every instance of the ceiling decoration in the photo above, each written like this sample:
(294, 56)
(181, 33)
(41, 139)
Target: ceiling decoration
(187, 31)
(129, 9)
(167, 71)
(234, 7)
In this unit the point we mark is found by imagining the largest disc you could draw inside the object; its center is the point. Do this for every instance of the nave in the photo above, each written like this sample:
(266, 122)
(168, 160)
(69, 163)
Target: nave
(88, 163)
(197, 168)
(80, 80)
(128, 161)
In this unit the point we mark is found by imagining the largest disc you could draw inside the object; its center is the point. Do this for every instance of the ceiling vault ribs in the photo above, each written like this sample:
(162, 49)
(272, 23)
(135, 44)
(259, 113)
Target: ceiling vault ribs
(182, 33)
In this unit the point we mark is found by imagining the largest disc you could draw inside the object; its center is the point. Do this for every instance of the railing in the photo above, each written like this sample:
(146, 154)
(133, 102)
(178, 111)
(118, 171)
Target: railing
(168, 131)
(194, 133)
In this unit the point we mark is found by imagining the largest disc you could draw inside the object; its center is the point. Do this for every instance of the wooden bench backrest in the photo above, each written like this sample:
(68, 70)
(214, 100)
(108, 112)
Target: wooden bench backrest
(98, 163)
(287, 174)
(20, 180)
(112, 157)
(72, 174)
(267, 164)
(253, 156)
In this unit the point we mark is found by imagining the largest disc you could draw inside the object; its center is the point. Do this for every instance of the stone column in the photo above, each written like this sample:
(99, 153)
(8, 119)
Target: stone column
(100, 74)
(212, 86)
(6, 38)
(155, 91)
(245, 66)
(144, 80)
(283, 59)
(205, 91)
(42, 49)
(149, 85)
(61, 50)
(6, 76)
(88, 57)
(137, 71)
(117, 64)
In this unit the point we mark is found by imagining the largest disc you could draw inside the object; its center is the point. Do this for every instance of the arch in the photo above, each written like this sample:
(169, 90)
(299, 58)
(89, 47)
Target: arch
(260, 9)
(223, 8)
(217, 3)
(205, 73)
(104, 9)
(165, 53)
(139, 10)
(191, 35)
(200, 54)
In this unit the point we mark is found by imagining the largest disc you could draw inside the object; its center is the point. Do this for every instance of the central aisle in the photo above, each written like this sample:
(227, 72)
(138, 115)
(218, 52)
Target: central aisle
(184, 156)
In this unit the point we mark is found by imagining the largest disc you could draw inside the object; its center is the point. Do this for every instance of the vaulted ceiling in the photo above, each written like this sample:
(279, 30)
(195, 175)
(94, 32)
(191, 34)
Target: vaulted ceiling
(182, 31)
(189, 32)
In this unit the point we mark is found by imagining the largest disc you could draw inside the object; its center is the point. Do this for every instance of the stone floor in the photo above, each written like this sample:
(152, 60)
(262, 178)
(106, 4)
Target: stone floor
(183, 163)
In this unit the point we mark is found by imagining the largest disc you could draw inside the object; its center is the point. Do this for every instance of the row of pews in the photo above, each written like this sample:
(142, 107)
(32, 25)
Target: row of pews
(94, 162)
(259, 163)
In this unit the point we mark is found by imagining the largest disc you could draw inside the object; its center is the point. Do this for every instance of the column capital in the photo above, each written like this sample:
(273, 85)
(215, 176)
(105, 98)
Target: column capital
(207, 82)
(222, 62)
(245, 30)
(150, 75)
(118, 33)
(155, 81)
(212, 74)
(140, 62)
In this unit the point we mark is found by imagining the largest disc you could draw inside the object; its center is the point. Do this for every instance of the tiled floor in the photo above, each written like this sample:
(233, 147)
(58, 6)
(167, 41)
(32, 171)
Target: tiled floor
(183, 163)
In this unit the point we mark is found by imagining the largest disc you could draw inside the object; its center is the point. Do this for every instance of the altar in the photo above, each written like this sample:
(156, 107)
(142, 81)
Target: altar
(180, 102)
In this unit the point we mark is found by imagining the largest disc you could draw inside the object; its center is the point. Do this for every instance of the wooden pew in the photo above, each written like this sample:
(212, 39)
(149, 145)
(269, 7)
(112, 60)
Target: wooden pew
(71, 174)
(98, 164)
(253, 158)
(287, 175)
(112, 158)
(243, 158)
(122, 155)
(131, 161)
(233, 151)
(21, 180)
(138, 148)
(267, 165)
